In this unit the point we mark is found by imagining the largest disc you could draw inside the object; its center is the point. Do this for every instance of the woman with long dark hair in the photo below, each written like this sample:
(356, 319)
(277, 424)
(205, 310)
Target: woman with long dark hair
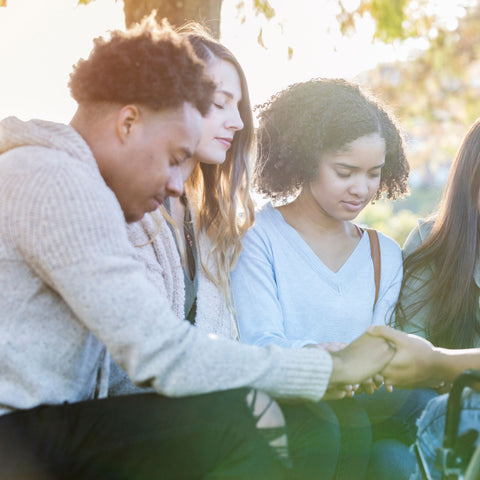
(439, 299)
(440, 292)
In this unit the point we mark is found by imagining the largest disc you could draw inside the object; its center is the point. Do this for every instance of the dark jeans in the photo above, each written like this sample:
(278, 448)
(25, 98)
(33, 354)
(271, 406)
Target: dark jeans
(313, 441)
(356, 439)
(395, 414)
(137, 437)
(394, 424)
(328, 440)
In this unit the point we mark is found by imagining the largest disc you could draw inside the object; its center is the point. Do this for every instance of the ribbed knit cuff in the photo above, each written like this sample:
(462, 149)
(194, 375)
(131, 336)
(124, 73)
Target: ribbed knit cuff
(300, 373)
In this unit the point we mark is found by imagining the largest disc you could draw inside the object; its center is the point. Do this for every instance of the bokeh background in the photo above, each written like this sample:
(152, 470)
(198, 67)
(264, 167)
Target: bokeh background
(420, 57)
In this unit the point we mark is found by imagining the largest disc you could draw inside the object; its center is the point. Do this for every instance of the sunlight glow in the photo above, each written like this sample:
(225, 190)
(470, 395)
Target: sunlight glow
(41, 40)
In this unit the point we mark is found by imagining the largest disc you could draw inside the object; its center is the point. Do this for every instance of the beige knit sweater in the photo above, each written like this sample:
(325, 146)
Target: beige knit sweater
(71, 287)
(155, 246)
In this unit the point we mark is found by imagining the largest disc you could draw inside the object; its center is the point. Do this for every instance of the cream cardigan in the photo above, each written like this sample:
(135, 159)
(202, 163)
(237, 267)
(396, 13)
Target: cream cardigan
(156, 247)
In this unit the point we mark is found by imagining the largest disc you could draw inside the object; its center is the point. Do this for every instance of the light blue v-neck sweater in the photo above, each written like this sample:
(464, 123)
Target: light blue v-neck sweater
(285, 295)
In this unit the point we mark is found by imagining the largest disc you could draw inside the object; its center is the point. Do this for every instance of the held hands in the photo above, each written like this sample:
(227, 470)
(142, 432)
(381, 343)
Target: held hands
(368, 386)
(335, 392)
(413, 364)
(341, 391)
(348, 391)
(358, 362)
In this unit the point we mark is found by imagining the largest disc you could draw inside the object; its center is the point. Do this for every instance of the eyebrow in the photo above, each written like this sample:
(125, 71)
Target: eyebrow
(228, 94)
(351, 167)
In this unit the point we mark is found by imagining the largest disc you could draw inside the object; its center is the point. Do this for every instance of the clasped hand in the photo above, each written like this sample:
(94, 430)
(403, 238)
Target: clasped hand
(357, 366)
(413, 364)
(383, 355)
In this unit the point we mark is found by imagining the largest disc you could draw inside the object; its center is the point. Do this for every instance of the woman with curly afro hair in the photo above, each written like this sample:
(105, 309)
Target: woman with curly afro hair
(325, 151)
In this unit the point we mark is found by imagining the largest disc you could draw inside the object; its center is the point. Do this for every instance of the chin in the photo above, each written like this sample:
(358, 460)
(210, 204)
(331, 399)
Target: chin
(214, 161)
(352, 216)
(216, 158)
(131, 217)
(345, 217)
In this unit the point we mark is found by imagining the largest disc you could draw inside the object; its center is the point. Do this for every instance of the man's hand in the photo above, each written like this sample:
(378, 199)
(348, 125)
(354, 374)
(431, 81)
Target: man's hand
(360, 360)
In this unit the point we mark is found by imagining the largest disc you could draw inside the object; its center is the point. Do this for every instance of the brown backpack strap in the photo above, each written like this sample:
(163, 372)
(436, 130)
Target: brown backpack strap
(377, 263)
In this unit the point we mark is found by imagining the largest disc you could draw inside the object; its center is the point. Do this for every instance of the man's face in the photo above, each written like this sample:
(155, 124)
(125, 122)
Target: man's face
(149, 166)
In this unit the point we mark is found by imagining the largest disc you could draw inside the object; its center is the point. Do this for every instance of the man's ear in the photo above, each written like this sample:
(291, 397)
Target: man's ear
(127, 119)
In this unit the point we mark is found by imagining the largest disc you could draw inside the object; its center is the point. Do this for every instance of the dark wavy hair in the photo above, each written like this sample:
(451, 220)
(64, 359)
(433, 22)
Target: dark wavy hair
(450, 251)
(148, 64)
(300, 123)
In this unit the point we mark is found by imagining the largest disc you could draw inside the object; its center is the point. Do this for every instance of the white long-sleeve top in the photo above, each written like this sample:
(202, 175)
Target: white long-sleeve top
(285, 295)
(71, 288)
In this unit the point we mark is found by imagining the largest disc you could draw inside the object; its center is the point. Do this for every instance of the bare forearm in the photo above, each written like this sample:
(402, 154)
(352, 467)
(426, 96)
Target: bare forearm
(417, 363)
(451, 363)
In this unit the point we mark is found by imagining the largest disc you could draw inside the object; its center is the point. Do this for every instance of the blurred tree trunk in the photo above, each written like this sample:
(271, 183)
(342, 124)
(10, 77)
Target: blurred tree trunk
(206, 12)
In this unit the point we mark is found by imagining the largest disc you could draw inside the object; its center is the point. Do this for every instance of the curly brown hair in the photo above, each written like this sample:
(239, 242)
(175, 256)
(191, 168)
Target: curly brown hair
(300, 123)
(148, 64)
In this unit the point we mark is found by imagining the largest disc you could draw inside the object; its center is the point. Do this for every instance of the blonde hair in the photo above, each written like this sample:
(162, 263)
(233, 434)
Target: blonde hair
(220, 194)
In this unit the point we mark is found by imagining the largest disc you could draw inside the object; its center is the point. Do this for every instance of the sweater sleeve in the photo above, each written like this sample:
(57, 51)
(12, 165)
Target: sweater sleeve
(258, 308)
(70, 230)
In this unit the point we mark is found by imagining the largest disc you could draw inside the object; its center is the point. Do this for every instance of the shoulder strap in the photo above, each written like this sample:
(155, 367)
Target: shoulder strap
(376, 259)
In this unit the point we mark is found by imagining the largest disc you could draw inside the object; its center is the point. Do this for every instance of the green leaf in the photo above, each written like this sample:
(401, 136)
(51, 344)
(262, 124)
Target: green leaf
(264, 7)
(389, 15)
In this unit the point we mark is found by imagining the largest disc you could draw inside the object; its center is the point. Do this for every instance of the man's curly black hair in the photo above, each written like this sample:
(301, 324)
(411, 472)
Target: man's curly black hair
(308, 119)
(150, 65)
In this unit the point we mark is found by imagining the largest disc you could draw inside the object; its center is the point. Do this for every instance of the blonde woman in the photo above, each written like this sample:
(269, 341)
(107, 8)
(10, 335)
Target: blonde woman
(190, 258)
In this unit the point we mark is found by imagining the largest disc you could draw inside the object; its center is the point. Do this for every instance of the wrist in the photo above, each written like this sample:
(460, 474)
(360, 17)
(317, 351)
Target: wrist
(451, 363)
(338, 369)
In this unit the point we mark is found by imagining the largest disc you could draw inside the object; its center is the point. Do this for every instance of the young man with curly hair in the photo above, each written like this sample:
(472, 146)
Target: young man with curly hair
(72, 292)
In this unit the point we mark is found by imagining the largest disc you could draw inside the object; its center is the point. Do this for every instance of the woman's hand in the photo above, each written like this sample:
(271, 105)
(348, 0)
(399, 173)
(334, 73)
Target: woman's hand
(328, 346)
(332, 346)
(339, 392)
(370, 385)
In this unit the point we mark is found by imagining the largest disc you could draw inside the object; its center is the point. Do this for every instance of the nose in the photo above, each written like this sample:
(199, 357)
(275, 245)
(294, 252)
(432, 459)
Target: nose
(175, 182)
(360, 187)
(235, 122)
